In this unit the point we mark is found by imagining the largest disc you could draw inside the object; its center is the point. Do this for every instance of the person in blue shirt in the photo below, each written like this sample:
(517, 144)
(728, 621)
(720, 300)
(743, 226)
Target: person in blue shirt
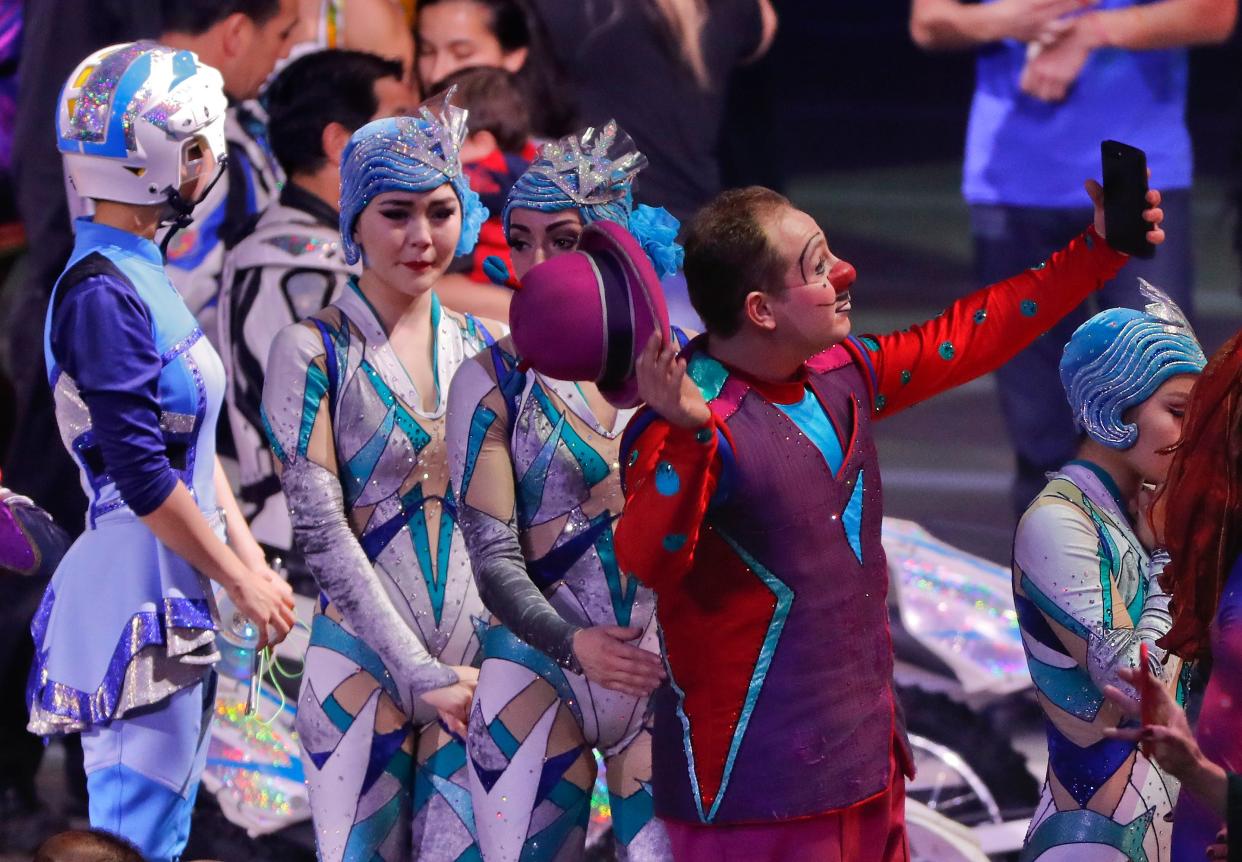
(1054, 78)
(125, 634)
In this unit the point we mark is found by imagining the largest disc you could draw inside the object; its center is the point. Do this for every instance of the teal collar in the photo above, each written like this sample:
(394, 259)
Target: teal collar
(92, 235)
(436, 313)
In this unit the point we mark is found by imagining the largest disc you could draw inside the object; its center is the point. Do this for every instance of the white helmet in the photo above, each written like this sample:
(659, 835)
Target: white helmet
(129, 119)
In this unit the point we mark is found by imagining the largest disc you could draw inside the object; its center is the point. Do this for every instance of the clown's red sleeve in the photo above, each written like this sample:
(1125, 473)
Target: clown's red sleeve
(982, 331)
(671, 475)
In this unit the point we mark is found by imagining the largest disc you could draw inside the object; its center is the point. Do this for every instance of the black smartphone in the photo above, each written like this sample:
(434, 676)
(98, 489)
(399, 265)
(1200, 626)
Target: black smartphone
(1125, 198)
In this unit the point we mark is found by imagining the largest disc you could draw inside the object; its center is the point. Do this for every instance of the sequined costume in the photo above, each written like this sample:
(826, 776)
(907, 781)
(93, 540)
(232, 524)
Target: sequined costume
(288, 267)
(365, 472)
(1086, 593)
(253, 180)
(539, 497)
(125, 635)
(104, 657)
(734, 525)
(160, 626)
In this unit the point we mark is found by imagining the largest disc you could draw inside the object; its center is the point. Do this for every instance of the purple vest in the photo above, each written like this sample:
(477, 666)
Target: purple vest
(780, 701)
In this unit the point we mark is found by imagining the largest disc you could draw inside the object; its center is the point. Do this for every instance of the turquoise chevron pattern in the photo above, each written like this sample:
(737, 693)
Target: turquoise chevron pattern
(534, 461)
(387, 782)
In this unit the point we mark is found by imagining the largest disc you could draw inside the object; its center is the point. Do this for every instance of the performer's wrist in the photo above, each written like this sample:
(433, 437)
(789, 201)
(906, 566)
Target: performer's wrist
(1094, 31)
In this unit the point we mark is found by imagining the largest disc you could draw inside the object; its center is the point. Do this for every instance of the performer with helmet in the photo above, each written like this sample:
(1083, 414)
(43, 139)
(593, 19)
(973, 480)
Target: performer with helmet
(124, 637)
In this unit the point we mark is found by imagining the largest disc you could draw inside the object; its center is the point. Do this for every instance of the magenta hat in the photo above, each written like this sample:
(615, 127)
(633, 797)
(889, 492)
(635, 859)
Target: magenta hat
(586, 315)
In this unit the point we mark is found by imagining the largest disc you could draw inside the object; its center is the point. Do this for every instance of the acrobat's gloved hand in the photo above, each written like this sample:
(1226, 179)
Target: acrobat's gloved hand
(496, 269)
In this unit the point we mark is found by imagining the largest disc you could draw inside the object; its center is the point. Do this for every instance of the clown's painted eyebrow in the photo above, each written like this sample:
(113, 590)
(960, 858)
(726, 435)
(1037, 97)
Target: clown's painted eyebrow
(810, 243)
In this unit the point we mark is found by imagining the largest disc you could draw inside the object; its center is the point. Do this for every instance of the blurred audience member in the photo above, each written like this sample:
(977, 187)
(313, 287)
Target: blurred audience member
(380, 27)
(497, 151)
(94, 845)
(31, 546)
(454, 34)
(660, 68)
(1052, 82)
(11, 235)
(243, 39)
(288, 263)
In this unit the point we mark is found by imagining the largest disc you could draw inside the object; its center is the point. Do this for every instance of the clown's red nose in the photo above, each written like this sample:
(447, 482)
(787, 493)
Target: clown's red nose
(841, 276)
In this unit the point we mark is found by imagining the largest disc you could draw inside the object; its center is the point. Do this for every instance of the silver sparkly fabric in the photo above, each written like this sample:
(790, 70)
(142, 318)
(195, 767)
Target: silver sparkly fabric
(593, 170)
(365, 475)
(1087, 595)
(89, 120)
(538, 476)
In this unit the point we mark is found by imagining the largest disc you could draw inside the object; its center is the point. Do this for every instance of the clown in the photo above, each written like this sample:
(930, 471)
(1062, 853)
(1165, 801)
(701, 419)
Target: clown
(571, 655)
(753, 511)
(125, 635)
(1085, 584)
(354, 402)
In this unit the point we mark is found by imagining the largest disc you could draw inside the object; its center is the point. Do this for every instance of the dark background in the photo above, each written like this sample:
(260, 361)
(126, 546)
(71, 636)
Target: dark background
(849, 88)
(865, 131)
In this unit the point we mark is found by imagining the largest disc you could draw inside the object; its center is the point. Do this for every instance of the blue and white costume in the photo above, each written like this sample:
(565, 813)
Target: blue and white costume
(288, 267)
(364, 467)
(125, 635)
(1087, 595)
(539, 494)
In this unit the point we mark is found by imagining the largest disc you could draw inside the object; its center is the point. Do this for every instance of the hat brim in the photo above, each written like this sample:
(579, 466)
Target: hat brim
(648, 309)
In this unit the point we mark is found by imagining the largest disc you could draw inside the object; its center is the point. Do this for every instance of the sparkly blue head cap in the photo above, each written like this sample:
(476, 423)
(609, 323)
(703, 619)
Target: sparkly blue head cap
(408, 154)
(593, 172)
(1119, 358)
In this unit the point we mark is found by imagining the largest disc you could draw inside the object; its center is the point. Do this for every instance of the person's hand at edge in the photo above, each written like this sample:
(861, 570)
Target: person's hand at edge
(607, 659)
(666, 388)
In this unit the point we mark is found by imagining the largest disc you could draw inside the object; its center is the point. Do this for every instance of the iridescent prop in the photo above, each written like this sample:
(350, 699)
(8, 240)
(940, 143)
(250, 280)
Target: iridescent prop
(958, 606)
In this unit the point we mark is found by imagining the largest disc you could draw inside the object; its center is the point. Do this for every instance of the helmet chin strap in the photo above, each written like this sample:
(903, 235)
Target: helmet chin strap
(183, 210)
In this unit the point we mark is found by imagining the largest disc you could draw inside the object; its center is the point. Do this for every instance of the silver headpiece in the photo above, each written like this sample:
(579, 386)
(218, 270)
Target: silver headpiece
(594, 168)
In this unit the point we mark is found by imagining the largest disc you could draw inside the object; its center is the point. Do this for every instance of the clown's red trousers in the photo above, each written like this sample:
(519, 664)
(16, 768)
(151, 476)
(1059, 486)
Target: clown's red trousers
(873, 830)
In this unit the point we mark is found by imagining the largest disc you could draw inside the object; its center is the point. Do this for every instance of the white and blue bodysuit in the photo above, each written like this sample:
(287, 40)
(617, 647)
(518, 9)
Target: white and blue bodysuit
(125, 635)
(1086, 594)
(285, 269)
